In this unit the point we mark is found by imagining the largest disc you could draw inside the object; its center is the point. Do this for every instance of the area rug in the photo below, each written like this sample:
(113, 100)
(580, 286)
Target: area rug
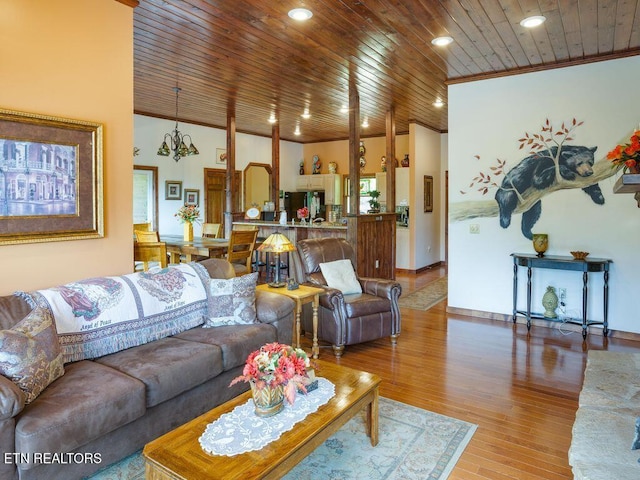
(427, 296)
(413, 444)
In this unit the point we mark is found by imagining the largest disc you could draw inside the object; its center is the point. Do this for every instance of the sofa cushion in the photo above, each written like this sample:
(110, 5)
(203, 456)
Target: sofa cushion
(89, 401)
(30, 354)
(236, 342)
(340, 275)
(232, 301)
(168, 366)
(13, 308)
(99, 316)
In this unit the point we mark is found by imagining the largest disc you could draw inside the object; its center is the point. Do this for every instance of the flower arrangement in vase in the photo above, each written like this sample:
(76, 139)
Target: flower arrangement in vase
(302, 214)
(627, 156)
(275, 372)
(188, 214)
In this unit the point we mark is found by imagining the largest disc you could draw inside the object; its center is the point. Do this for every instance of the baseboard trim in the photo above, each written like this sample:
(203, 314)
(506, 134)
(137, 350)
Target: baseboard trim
(567, 327)
(420, 270)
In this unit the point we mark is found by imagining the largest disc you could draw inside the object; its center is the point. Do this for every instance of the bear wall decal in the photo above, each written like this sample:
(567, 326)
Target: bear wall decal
(538, 171)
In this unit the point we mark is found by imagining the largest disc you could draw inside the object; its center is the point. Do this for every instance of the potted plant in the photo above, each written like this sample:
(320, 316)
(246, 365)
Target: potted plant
(374, 204)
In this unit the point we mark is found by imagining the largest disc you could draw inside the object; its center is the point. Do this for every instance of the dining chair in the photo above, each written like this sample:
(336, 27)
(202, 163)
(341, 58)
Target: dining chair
(211, 230)
(143, 227)
(146, 254)
(146, 237)
(240, 252)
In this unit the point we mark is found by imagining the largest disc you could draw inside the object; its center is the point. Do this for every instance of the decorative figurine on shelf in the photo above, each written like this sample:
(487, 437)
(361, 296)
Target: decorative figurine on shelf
(405, 160)
(316, 165)
(333, 167)
(292, 284)
(301, 167)
(383, 163)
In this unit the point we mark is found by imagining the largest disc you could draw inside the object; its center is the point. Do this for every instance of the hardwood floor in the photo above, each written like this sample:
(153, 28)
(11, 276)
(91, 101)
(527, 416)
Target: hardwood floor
(521, 390)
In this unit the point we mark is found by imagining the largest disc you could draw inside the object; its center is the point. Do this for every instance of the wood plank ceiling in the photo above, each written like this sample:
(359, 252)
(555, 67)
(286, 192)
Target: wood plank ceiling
(248, 55)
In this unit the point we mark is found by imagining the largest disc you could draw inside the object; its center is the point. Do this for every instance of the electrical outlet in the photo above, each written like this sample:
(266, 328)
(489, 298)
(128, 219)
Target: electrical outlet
(474, 228)
(562, 300)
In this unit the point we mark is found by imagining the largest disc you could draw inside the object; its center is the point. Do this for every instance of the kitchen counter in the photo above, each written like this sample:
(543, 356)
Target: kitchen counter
(322, 225)
(298, 231)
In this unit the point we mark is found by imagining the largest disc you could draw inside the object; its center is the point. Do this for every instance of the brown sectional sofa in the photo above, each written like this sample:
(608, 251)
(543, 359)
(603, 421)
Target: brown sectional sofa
(104, 409)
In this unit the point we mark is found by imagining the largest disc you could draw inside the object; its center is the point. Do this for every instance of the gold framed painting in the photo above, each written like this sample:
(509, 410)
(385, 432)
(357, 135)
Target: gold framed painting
(428, 193)
(50, 178)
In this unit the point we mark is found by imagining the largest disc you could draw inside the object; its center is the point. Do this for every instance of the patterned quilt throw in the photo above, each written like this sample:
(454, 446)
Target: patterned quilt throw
(98, 316)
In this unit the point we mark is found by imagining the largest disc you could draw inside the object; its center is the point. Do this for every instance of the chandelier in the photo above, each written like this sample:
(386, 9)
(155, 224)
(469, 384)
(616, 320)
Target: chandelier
(177, 140)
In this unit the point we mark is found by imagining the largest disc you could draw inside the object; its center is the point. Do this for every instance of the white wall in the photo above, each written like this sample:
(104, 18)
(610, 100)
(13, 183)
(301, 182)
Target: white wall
(486, 119)
(148, 134)
(424, 226)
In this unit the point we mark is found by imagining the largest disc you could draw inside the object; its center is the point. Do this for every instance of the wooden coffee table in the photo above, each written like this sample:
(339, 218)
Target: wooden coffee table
(178, 454)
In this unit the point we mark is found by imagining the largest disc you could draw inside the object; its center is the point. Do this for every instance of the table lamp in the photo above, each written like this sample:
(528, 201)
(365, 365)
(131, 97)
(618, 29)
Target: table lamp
(276, 243)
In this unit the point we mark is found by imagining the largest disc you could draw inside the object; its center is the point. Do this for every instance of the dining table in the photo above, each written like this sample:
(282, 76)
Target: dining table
(178, 247)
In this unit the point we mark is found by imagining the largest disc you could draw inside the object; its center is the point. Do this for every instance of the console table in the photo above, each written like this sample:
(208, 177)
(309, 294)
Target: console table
(558, 262)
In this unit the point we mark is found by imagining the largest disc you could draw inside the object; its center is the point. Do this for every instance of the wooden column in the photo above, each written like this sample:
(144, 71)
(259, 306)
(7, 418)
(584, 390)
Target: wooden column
(275, 163)
(354, 146)
(231, 168)
(391, 160)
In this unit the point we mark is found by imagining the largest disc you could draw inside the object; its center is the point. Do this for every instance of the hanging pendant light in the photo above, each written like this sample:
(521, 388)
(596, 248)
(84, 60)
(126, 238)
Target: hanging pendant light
(177, 140)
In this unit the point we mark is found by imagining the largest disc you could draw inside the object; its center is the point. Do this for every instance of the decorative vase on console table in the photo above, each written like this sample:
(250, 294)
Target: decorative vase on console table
(540, 243)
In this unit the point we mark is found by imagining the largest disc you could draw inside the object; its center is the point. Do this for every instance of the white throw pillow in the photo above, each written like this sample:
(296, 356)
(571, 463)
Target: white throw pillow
(233, 301)
(340, 275)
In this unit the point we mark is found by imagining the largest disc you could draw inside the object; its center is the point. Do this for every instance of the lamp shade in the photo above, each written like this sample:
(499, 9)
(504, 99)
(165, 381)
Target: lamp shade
(276, 243)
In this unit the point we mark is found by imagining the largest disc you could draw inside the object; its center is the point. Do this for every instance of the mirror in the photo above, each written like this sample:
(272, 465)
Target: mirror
(256, 185)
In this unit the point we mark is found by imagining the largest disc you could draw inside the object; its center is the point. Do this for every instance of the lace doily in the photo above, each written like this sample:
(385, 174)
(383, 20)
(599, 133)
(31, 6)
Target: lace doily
(241, 430)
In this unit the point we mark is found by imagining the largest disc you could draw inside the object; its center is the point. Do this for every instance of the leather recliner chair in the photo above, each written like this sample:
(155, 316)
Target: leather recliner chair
(347, 319)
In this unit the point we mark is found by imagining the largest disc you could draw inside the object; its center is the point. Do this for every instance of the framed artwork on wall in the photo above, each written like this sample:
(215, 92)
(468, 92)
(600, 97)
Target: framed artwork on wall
(191, 196)
(173, 190)
(221, 156)
(50, 178)
(428, 193)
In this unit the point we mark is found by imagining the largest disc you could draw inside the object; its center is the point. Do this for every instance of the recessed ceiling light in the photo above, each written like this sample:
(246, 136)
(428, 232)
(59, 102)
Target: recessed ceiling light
(306, 115)
(365, 123)
(297, 131)
(534, 21)
(300, 14)
(442, 41)
(344, 109)
(272, 118)
(438, 103)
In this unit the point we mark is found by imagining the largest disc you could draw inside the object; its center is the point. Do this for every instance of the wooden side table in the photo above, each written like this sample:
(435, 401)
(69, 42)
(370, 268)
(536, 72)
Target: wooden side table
(302, 295)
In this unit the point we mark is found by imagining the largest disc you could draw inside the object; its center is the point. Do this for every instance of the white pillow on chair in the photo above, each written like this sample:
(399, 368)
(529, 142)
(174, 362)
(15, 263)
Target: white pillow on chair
(340, 275)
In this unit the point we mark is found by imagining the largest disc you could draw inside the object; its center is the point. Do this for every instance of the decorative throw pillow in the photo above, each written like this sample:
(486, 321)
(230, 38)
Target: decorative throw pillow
(340, 275)
(30, 354)
(233, 300)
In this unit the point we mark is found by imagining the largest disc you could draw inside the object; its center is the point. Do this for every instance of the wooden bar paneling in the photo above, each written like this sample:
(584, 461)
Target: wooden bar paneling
(373, 238)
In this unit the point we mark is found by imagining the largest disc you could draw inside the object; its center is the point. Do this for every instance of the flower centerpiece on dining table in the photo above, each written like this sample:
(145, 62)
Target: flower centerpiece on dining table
(303, 213)
(276, 371)
(627, 156)
(188, 214)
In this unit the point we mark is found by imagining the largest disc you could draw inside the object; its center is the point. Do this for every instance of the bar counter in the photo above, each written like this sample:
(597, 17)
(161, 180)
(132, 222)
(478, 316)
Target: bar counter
(297, 231)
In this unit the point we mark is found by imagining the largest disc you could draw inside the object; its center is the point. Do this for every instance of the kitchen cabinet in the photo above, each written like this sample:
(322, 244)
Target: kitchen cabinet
(310, 183)
(332, 189)
(329, 183)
